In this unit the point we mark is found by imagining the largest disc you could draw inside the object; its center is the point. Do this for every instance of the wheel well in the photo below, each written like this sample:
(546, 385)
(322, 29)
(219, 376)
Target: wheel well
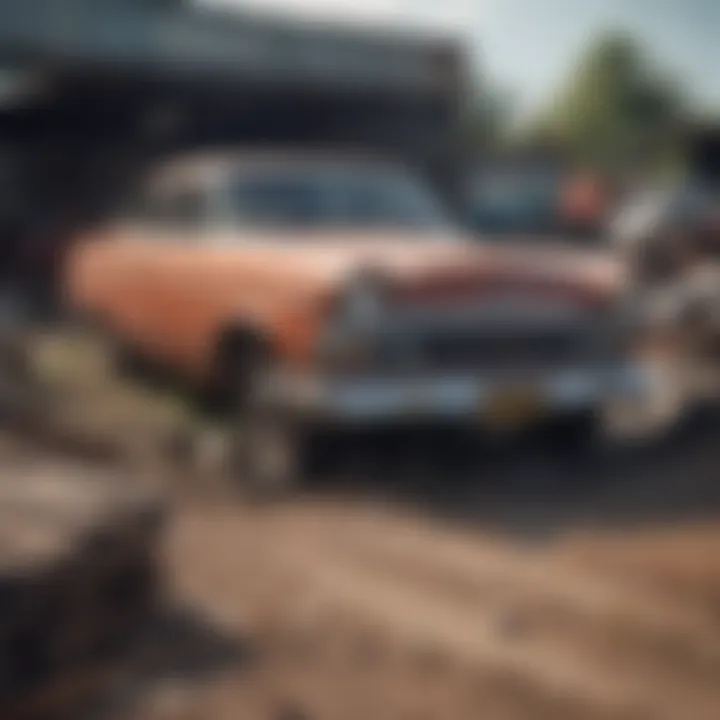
(235, 346)
(235, 342)
(89, 320)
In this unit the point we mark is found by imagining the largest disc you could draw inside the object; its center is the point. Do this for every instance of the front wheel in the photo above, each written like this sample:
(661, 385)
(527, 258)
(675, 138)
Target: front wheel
(267, 445)
(574, 435)
(266, 455)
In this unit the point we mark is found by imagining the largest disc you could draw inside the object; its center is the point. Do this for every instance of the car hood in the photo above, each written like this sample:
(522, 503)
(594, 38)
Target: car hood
(429, 264)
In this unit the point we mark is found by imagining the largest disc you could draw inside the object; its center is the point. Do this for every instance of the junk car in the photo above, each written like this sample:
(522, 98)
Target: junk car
(320, 291)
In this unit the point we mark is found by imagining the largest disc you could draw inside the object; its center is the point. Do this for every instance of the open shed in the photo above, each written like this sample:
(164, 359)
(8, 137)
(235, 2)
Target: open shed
(93, 90)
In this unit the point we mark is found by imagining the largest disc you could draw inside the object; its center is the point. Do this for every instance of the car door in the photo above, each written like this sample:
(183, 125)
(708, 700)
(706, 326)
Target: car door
(147, 257)
(182, 279)
(169, 265)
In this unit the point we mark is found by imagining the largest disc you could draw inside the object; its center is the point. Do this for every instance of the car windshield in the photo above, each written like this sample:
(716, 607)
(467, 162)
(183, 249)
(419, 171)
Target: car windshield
(331, 197)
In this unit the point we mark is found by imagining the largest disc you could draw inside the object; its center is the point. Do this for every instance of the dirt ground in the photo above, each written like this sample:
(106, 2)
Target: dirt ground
(493, 602)
(344, 609)
(521, 586)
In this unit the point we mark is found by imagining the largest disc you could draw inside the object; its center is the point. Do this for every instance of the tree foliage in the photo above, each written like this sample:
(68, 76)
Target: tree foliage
(615, 108)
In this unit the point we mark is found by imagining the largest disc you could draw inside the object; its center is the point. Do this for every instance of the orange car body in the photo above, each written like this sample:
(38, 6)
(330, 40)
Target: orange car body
(173, 293)
(175, 300)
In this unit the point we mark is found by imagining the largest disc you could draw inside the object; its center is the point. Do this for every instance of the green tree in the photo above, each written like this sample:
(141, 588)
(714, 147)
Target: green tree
(616, 109)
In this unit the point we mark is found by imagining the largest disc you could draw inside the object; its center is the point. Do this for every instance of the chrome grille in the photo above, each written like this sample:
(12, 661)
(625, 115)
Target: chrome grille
(483, 349)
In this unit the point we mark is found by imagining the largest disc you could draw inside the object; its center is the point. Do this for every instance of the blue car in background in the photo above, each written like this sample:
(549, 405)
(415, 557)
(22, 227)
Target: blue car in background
(534, 202)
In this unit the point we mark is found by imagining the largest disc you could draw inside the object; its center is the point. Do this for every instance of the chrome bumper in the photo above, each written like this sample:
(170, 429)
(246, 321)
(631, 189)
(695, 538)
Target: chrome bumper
(465, 397)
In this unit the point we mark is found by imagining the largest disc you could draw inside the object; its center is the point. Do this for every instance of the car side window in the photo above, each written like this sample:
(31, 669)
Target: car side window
(180, 211)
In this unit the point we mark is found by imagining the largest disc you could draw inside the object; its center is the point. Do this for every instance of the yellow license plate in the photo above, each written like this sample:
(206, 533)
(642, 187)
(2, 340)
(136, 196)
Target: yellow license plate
(513, 407)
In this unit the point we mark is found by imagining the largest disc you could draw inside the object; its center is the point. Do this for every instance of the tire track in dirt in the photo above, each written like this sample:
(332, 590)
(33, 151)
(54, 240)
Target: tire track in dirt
(563, 624)
(488, 563)
(588, 639)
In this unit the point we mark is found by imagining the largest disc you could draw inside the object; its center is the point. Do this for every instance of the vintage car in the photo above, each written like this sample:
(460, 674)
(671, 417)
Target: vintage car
(325, 292)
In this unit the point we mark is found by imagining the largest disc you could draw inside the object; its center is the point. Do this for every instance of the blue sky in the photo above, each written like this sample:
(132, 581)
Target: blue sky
(529, 46)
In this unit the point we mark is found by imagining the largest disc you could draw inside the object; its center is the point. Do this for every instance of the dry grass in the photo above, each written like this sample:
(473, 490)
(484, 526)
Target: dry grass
(80, 367)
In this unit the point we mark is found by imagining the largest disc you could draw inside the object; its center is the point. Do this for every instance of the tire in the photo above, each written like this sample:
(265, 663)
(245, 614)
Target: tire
(591, 437)
(267, 455)
(577, 435)
(267, 447)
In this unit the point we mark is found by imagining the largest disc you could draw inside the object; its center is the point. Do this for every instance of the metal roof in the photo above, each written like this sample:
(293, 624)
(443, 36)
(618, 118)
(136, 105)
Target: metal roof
(179, 38)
